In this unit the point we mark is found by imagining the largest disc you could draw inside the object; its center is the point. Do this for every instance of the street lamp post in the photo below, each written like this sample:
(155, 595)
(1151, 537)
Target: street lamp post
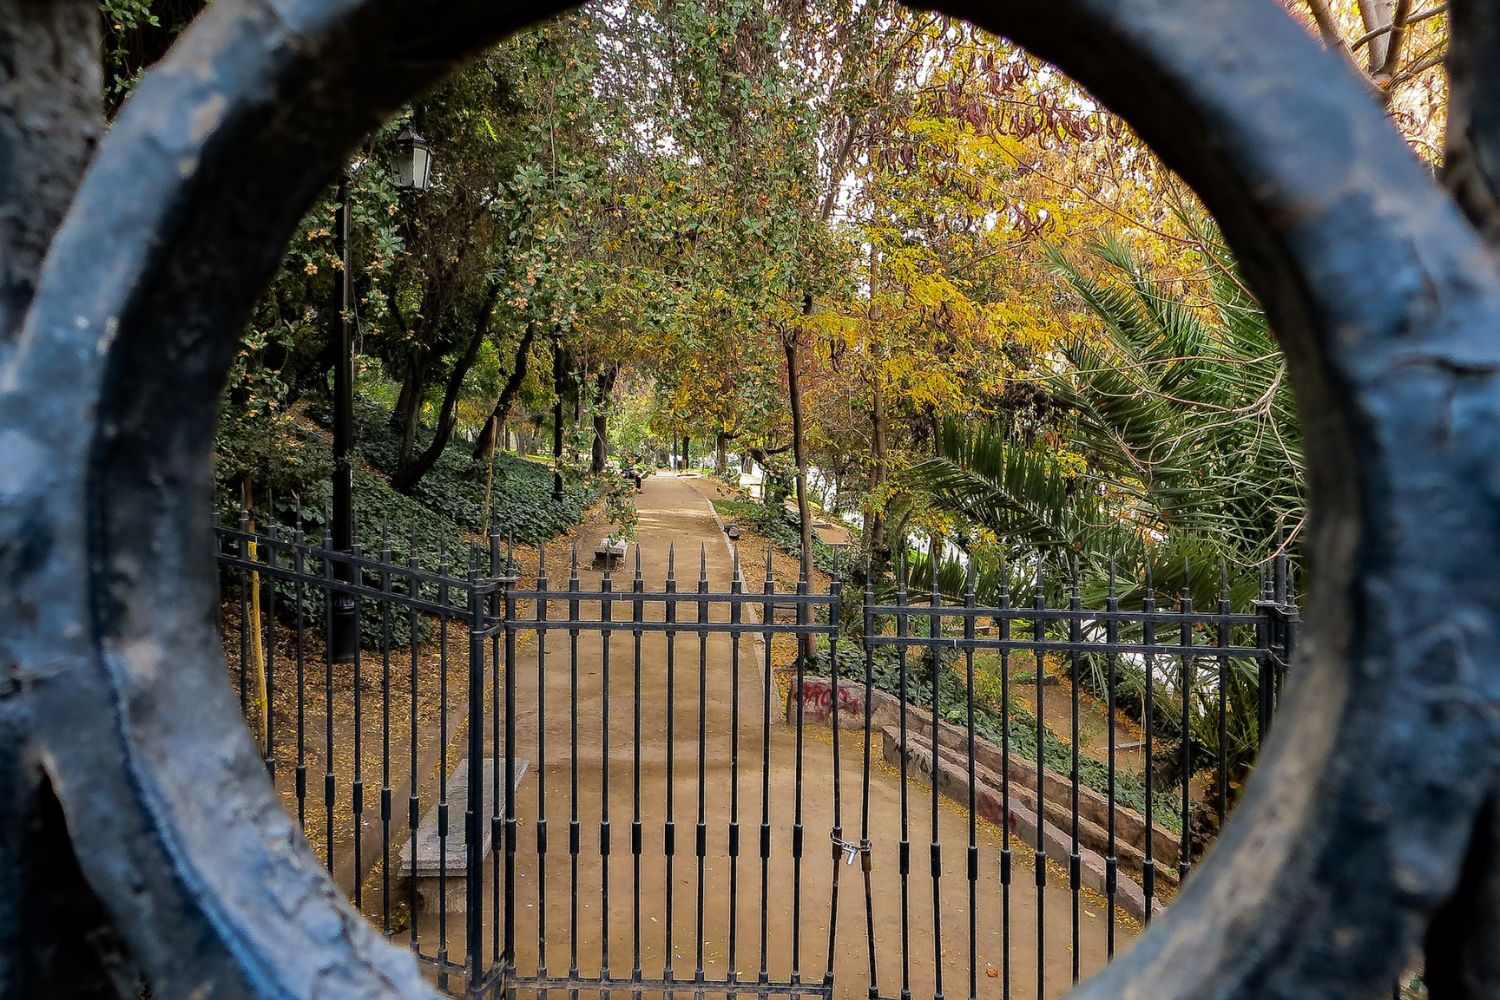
(344, 635)
(413, 170)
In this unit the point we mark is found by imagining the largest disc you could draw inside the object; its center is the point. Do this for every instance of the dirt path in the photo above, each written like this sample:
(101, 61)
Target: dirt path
(578, 730)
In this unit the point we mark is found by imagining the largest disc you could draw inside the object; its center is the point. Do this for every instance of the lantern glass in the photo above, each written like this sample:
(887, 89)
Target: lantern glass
(413, 160)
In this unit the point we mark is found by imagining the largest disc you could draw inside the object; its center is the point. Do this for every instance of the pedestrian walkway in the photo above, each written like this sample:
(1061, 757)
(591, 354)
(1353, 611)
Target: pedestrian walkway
(578, 721)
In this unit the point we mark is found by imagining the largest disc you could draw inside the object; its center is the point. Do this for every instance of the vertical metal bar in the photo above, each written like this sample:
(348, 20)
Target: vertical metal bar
(1148, 637)
(606, 614)
(801, 677)
(969, 602)
(904, 846)
(269, 583)
(573, 826)
(414, 788)
(767, 610)
(328, 654)
(865, 847)
(341, 520)
(1263, 641)
(736, 616)
(934, 847)
(244, 547)
(1038, 636)
(474, 813)
(670, 831)
(1075, 857)
(508, 961)
(355, 577)
(442, 953)
(1189, 666)
(385, 729)
(1222, 804)
(637, 587)
(1111, 860)
(541, 760)
(835, 590)
(501, 776)
(701, 830)
(1002, 623)
(299, 566)
(1292, 626)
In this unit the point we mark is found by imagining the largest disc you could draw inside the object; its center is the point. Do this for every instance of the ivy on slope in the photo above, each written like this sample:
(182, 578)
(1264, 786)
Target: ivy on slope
(454, 489)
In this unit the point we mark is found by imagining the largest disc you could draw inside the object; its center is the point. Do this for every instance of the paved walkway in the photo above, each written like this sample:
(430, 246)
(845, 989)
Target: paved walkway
(578, 728)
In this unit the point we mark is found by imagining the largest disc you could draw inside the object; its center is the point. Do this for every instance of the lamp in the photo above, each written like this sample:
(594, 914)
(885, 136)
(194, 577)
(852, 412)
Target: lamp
(413, 160)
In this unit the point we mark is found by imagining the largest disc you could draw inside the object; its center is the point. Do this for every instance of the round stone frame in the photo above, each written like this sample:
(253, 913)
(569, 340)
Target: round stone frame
(1370, 822)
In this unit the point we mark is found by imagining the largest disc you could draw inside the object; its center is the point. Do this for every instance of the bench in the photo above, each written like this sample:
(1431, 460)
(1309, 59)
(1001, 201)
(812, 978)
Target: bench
(611, 553)
(787, 608)
(435, 869)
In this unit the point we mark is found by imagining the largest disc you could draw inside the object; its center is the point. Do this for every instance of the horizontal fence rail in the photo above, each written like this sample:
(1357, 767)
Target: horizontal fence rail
(656, 779)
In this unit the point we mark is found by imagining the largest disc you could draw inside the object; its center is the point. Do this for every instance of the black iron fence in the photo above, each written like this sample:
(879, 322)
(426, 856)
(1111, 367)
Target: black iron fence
(624, 780)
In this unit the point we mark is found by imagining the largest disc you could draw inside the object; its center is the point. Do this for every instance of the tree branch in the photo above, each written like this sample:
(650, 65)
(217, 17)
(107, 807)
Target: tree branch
(1398, 26)
(409, 475)
(490, 433)
(1416, 18)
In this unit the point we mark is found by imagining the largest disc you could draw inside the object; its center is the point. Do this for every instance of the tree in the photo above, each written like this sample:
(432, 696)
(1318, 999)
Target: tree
(1180, 444)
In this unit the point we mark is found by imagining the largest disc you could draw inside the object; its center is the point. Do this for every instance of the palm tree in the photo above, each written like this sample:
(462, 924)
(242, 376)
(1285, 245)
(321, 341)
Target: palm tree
(1183, 420)
(1191, 470)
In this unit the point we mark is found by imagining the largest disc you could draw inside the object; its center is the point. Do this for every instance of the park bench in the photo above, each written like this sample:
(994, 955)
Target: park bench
(610, 552)
(441, 876)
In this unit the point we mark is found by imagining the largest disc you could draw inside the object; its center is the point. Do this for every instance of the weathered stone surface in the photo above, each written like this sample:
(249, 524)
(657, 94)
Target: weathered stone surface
(1021, 818)
(440, 864)
(1057, 789)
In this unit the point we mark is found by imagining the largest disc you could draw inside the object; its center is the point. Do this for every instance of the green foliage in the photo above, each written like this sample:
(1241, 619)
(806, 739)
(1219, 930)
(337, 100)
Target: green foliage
(1185, 406)
(521, 504)
(1179, 463)
(619, 498)
(992, 716)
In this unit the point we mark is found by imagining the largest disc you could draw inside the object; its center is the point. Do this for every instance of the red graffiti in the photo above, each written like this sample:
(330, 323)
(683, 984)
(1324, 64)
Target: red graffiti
(817, 700)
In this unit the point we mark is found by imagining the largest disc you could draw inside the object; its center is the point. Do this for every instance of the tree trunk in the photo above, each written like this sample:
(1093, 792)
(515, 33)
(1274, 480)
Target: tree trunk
(1376, 14)
(410, 473)
(721, 453)
(604, 383)
(877, 546)
(408, 411)
(804, 509)
(489, 434)
(686, 446)
(601, 442)
(557, 417)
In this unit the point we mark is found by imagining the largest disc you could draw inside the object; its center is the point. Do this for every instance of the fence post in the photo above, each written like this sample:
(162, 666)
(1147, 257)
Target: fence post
(1264, 630)
(508, 617)
(1291, 618)
(473, 816)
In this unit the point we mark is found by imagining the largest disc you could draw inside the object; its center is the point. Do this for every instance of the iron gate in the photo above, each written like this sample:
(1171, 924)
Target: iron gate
(606, 701)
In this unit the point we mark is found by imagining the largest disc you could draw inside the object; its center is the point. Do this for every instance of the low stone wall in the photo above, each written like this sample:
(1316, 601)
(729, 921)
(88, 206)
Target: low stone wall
(819, 698)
